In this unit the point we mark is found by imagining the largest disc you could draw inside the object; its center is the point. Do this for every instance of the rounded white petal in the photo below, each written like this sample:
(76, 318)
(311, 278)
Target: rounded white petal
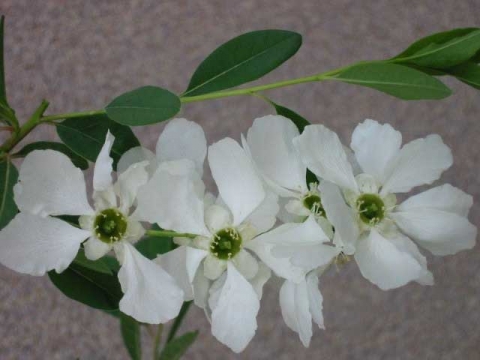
(151, 295)
(296, 207)
(270, 142)
(49, 184)
(102, 173)
(385, 265)
(86, 222)
(263, 275)
(440, 232)
(95, 248)
(246, 264)
(182, 139)
(315, 299)
(201, 286)
(213, 267)
(136, 155)
(31, 244)
(265, 215)
(294, 303)
(217, 218)
(173, 198)
(419, 162)
(238, 184)
(128, 184)
(376, 147)
(323, 153)
(135, 231)
(234, 318)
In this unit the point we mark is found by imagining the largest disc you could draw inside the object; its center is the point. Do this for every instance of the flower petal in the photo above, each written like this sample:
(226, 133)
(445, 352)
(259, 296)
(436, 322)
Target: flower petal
(49, 184)
(265, 215)
(294, 303)
(150, 293)
(385, 265)
(213, 267)
(238, 184)
(263, 274)
(234, 317)
(183, 139)
(135, 231)
(376, 147)
(217, 217)
(173, 198)
(270, 142)
(323, 153)
(246, 264)
(419, 162)
(201, 286)
(102, 173)
(128, 184)
(136, 155)
(31, 244)
(95, 248)
(315, 299)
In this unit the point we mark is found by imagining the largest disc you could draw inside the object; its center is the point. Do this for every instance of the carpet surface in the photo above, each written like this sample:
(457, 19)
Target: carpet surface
(80, 54)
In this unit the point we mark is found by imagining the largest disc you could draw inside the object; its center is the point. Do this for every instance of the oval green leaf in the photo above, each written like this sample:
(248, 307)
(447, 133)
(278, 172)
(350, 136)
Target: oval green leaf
(8, 178)
(469, 73)
(144, 106)
(443, 50)
(77, 160)
(151, 246)
(243, 59)
(178, 346)
(86, 136)
(396, 80)
(131, 336)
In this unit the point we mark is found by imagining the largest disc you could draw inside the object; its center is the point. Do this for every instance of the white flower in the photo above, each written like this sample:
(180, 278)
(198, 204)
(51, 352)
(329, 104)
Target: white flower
(216, 267)
(35, 242)
(436, 219)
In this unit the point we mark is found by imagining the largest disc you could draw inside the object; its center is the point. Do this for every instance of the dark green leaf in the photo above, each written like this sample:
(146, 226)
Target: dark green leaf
(114, 313)
(443, 50)
(243, 59)
(8, 178)
(396, 80)
(178, 320)
(151, 246)
(97, 265)
(298, 120)
(131, 336)
(96, 289)
(112, 263)
(71, 219)
(77, 160)
(178, 346)
(144, 106)
(469, 73)
(86, 136)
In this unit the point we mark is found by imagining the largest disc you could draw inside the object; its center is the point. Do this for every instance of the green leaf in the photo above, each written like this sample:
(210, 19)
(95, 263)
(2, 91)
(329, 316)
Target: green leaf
(299, 121)
(77, 160)
(97, 265)
(243, 59)
(131, 336)
(397, 80)
(469, 73)
(8, 208)
(144, 106)
(443, 50)
(112, 263)
(90, 287)
(178, 346)
(151, 246)
(86, 136)
(178, 320)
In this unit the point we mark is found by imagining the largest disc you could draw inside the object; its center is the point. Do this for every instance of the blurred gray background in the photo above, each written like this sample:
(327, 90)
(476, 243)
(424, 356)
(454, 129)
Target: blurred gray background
(80, 54)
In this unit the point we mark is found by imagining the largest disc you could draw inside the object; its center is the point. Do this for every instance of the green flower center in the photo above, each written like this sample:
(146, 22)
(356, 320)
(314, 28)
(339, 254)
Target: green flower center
(313, 203)
(110, 226)
(226, 243)
(371, 208)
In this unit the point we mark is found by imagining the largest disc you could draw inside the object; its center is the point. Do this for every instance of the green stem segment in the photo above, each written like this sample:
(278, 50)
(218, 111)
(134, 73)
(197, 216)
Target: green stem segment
(168, 233)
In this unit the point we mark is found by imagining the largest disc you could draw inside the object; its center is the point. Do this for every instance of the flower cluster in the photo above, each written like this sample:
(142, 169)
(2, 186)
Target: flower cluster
(229, 244)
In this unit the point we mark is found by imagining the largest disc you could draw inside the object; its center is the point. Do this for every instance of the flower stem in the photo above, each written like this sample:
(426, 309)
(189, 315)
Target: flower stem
(168, 233)
(71, 115)
(156, 342)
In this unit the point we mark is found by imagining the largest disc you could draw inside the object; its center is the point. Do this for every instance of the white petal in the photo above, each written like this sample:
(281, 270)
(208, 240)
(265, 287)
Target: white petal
(234, 318)
(183, 139)
(315, 299)
(49, 184)
(217, 218)
(381, 262)
(376, 147)
(440, 232)
(270, 142)
(323, 153)
(150, 293)
(136, 155)
(213, 267)
(419, 162)
(201, 286)
(296, 207)
(445, 197)
(102, 174)
(135, 231)
(31, 244)
(294, 303)
(105, 199)
(128, 184)
(173, 198)
(260, 279)
(340, 215)
(265, 215)
(95, 248)
(236, 179)
(246, 264)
